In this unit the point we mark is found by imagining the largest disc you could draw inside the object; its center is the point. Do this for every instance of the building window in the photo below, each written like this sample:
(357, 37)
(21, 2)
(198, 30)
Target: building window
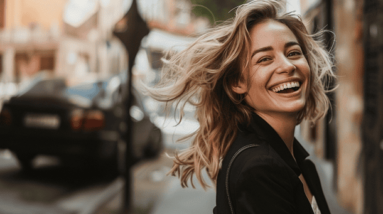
(47, 63)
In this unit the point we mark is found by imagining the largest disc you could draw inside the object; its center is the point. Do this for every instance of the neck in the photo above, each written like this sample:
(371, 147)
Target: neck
(284, 125)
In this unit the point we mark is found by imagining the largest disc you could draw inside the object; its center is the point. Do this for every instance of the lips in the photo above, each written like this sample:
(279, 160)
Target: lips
(286, 87)
(289, 94)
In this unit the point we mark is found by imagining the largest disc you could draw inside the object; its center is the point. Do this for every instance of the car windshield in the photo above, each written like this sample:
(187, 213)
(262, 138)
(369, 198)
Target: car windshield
(47, 87)
(88, 91)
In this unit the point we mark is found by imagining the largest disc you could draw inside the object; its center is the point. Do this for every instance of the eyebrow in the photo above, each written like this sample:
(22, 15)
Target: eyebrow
(269, 48)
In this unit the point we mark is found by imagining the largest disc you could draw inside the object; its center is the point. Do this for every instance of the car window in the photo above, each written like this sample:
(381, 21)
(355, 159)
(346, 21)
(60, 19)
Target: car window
(88, 91)
(44, 87)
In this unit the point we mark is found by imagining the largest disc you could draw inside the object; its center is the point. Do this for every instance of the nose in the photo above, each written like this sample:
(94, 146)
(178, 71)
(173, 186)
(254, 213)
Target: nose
(285, 65)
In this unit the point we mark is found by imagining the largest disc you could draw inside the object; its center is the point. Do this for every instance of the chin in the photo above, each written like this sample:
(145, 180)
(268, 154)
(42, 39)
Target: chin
(294, 108)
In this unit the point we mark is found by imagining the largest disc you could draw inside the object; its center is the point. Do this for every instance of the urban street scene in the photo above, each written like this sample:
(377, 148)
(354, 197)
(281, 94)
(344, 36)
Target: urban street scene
(81, 134)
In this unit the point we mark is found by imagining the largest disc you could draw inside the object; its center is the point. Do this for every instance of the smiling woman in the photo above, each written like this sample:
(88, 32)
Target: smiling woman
(277, 67)
(252, 79)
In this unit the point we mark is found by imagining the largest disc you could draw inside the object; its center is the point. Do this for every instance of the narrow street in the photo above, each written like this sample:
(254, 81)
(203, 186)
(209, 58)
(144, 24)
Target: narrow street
(55, 189)
(49, 188)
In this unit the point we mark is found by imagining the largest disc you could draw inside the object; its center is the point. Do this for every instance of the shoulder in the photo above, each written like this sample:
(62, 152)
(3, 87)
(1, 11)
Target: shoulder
(259, 181)
(259, 159)
(259, 165)
(259, 162)
(259, 168)
(255, 174)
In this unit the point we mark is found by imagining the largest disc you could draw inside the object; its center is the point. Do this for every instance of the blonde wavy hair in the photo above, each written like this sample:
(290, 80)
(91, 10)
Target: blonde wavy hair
(204, 74)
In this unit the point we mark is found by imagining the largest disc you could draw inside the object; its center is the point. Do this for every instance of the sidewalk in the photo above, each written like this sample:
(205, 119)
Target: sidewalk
(150, 183)
(178, 200)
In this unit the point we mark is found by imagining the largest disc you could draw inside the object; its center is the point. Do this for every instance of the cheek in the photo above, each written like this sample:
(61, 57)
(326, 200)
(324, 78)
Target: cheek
(306, 68)
(308, 72)
(257, 91)
(308, 76)
(258, 82)
(260, 78)
(256, 87)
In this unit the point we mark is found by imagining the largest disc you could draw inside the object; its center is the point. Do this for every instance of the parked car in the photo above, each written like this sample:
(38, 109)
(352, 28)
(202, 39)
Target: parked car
(78, 123)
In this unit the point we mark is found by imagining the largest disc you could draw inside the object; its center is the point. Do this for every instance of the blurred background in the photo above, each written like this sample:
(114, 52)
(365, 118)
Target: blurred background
(64, 68)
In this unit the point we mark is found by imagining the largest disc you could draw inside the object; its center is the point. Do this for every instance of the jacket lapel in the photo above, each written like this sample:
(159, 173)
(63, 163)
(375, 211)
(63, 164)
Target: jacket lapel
(312, 178)
(300, 166)
(266, 132)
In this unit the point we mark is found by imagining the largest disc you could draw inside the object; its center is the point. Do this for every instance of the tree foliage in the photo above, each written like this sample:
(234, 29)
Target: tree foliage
(215, 10)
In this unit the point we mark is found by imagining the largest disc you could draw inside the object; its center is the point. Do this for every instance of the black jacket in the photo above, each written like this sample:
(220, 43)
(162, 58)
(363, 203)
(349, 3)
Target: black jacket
(264, 177)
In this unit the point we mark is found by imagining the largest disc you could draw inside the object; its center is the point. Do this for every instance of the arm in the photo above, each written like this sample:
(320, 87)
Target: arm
(264, 188)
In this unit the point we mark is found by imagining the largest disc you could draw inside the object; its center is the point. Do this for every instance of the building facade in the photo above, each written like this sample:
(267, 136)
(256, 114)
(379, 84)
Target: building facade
(349, 137)
(67, 38)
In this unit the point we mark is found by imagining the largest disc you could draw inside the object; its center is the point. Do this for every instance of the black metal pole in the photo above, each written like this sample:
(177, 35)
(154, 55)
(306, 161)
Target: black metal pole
(130, 36)
(128, 190)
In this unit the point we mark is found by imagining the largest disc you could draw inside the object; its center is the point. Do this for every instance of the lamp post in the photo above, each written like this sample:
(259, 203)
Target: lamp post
(131, 33)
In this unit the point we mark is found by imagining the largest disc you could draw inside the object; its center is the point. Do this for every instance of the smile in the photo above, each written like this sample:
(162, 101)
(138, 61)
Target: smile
(286, 87)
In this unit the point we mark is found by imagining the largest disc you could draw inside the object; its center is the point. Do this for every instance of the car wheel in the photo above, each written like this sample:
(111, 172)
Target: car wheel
(25, 161)
(155, 145)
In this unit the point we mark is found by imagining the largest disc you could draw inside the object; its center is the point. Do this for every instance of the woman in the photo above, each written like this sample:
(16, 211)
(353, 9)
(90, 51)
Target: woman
(252, 80)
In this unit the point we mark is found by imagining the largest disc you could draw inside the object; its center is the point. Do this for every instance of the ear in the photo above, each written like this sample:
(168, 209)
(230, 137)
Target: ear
(240, 88)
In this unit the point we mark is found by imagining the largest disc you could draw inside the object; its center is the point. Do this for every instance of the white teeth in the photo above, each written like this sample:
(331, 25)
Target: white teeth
(283, 86)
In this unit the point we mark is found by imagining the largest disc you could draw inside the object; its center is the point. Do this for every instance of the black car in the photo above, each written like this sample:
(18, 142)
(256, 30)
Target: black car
(78, 123)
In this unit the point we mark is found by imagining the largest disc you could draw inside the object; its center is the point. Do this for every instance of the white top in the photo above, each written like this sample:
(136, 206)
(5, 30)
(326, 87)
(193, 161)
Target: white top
(314, 205)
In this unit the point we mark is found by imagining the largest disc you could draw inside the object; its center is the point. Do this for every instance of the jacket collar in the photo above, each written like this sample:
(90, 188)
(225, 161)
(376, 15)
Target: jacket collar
(267, 133)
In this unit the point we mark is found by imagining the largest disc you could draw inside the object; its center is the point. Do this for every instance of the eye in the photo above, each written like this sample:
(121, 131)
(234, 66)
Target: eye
(294, 53)
(264, 59)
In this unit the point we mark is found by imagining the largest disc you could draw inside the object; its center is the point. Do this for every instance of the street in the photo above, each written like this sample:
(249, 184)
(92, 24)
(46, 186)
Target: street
(52, 187)
(49, 188)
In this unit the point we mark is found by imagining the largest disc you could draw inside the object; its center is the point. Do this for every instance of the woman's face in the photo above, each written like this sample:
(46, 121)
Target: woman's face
(279, 72)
